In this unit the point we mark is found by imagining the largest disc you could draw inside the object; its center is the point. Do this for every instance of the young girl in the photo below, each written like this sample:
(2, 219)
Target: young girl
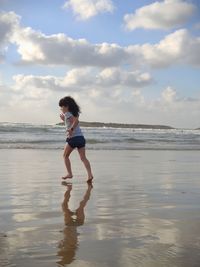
(75, 139)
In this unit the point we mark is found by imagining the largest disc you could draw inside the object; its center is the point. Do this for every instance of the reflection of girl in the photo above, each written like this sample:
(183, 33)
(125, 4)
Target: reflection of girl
(69, 244)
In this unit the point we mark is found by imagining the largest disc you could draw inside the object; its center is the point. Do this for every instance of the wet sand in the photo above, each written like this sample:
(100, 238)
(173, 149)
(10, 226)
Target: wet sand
(143, 209)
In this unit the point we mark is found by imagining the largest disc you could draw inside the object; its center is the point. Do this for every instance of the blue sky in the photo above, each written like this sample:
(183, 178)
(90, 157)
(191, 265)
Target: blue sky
(153, 73)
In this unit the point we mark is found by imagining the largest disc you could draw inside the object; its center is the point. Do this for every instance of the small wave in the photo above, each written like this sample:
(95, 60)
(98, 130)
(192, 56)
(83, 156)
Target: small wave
(95, 141)
(30, 141)
(134, 140)
(30, 128)
(117, 140)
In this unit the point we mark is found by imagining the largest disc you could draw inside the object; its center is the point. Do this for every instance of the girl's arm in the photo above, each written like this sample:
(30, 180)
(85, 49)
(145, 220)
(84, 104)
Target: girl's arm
(74, 122)
(62, 116)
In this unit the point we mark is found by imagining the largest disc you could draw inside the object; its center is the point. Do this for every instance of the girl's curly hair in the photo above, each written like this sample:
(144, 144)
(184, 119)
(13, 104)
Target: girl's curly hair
(69, 102)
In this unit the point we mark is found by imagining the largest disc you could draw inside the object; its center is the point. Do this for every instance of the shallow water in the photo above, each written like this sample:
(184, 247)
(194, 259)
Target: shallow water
(143, 209)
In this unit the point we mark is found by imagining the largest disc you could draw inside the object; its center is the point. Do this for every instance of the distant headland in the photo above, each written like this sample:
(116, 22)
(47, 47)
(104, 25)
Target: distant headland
(121, 125)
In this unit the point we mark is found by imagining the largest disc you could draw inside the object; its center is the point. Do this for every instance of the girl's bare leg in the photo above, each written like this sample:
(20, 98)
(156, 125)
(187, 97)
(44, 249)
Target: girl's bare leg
(67, 151)
(86, 162)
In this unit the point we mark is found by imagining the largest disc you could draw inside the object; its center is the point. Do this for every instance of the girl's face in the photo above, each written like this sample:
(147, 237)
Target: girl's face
(64, 109)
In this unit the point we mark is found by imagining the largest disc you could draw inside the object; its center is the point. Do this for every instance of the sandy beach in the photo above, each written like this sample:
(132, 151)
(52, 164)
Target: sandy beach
(142, 211)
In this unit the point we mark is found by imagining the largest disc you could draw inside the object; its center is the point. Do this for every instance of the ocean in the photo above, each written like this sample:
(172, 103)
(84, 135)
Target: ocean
(141, 211)
(32, 136)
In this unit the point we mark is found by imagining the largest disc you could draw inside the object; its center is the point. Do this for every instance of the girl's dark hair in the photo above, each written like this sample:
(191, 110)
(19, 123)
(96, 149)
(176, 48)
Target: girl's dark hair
(69, 102)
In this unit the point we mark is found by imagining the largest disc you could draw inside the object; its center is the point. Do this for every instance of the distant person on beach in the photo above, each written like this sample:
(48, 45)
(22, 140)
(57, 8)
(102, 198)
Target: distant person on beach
(74, 139)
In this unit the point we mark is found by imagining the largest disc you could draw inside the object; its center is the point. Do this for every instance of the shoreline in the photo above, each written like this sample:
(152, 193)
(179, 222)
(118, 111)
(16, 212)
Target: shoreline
(103, 149)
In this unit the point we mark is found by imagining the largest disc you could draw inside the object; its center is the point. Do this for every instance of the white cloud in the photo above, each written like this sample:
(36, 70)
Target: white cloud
(177, 47)
(8, 24)
(177, 110)
(160, 15)
(92, 88)
(169, 95)
(117, 77)
(34, 47)
(83, 79)
(85, 9)
(170, 108)
(36, 99)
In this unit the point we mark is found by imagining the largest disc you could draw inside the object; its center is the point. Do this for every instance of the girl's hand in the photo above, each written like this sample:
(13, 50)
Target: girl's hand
(62, 116)
(69, 132)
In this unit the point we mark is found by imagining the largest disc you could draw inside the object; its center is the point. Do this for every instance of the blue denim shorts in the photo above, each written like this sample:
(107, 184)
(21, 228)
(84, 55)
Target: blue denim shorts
(76, 141)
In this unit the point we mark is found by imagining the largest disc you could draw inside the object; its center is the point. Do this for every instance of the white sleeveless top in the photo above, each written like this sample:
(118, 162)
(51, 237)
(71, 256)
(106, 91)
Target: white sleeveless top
(77, 130)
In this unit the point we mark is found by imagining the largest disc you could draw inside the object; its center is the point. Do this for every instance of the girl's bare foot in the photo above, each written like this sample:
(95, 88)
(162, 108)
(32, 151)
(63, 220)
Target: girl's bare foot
(89, 180)
(68, 176)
